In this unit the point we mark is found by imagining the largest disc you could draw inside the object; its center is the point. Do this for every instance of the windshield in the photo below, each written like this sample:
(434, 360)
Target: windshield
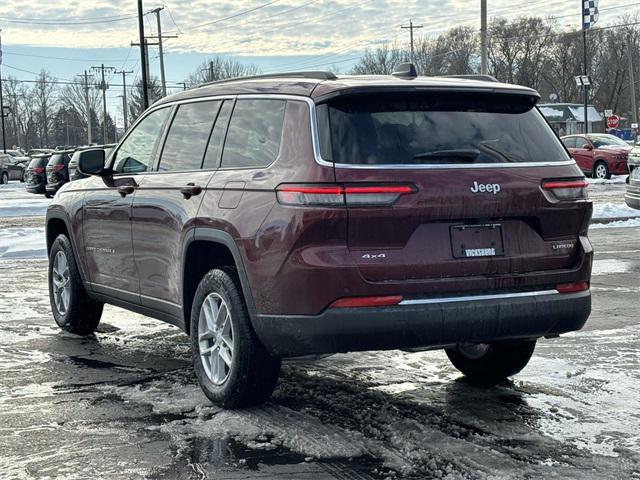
(607, 141)
(442, 128)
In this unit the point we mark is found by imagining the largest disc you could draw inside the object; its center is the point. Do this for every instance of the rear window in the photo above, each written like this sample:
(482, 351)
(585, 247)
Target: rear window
(39, 162)
(388, 129)
(58, 159)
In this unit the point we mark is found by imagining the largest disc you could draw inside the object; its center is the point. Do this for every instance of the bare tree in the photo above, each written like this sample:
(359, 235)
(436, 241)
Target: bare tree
(220, 68)
(44, 92)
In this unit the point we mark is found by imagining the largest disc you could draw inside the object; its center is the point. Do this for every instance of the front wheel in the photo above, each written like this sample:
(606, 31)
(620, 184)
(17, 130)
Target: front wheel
(231, 365)
(72, 308)
(4, 178)
(490, 363)
(601, 170)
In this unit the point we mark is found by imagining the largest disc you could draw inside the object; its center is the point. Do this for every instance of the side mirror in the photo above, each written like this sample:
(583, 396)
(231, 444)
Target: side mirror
(91, 162)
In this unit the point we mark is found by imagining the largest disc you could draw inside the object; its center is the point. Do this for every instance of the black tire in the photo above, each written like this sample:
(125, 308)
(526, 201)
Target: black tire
(607, 174)
(253, 373)
(4, 178)
(82, 314)
(496, 363)
(23, 177)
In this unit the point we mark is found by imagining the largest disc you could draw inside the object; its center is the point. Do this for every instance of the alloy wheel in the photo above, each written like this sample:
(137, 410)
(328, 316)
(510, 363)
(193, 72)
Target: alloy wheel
(215, 338)
(473, 351)
(601, 171)
(61, 278)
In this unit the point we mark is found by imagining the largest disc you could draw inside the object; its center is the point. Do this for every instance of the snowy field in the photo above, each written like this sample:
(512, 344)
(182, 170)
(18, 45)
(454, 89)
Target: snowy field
(124, 404)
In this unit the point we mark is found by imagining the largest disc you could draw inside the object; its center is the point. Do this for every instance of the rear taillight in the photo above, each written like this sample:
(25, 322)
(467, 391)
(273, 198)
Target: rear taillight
(38, 170)
(566, 189)
(57, 167)
(331, 195)
(363, 302)
(572, 287)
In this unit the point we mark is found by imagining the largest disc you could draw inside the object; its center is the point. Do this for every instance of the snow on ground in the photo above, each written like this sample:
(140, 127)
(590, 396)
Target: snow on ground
(615, 179)
(22, 243)
(632, 222)
(614, 210)
(15, 201)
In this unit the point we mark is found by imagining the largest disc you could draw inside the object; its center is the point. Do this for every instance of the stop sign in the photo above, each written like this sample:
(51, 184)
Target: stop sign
(613, 121)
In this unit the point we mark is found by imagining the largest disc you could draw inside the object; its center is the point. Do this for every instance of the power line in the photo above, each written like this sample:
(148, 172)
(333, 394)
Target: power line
(64, 22)
(64, 58)
(235, 15)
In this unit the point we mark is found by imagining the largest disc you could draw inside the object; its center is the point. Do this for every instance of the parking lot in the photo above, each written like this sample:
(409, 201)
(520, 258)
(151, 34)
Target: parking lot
(125, 404)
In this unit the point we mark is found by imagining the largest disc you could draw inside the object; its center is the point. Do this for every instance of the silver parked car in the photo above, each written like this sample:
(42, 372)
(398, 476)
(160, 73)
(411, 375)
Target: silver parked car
(10, 169)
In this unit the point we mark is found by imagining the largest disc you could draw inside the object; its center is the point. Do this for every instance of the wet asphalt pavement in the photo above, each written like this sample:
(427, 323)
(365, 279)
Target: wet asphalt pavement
(124, 403)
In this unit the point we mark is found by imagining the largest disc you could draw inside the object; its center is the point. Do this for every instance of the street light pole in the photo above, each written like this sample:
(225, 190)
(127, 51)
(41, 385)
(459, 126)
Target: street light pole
(483, 37)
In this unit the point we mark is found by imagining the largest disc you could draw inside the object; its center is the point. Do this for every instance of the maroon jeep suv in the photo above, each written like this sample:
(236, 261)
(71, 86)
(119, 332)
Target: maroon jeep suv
(308, 214)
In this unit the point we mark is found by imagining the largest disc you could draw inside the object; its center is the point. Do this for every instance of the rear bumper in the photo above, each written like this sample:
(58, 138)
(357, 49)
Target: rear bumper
(632, 197)
(37, 188)
(431, 324)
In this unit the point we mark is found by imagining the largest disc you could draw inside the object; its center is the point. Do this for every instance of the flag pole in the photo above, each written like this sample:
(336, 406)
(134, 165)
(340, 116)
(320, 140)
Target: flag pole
(584, 83)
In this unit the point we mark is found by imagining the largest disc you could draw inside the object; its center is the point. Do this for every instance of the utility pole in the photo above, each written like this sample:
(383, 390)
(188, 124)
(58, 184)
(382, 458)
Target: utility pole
(411, 28)
(103, 86)
(632, 82)
(483, 37)
(210, 70)
(160, 53)
(124, 95)
(85, 85)
(4, 132)
(143, 59)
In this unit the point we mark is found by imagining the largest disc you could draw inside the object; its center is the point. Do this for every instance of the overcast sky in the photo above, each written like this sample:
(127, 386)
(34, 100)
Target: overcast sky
(67, 36)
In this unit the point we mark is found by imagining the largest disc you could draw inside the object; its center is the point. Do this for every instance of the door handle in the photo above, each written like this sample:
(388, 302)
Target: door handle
(190, 190)
(125, 190)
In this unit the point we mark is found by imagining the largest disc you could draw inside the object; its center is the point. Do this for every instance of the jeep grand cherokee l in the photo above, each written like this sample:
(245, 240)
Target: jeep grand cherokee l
(304, 214)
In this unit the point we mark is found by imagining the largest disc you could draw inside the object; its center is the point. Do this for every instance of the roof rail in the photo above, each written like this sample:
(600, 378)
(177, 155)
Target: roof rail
(481, 78)
(314, 75)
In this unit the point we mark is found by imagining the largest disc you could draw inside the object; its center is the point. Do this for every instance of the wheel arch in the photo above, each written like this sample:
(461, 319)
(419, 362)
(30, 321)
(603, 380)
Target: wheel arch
(206, 249)
(58, 223)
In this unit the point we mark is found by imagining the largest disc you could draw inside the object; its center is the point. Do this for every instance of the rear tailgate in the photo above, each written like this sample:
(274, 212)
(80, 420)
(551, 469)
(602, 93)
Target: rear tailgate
(445, 230)
(478, 165)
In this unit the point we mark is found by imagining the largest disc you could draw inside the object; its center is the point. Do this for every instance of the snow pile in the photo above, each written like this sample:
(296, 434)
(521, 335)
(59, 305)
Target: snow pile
(632, 222)
(614, 210)
(614, 180)
(22, 243)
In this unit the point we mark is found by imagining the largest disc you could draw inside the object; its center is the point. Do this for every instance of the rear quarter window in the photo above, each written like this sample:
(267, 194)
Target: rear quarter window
(254, 133)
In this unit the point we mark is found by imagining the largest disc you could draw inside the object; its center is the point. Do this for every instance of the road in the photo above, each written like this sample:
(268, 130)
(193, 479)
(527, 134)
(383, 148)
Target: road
(124, 403)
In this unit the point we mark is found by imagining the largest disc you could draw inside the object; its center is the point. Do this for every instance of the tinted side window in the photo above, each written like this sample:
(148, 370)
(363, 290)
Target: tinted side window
(214, 150)
(255, 129)
(136, 152)
(188, 136)
(569, 142)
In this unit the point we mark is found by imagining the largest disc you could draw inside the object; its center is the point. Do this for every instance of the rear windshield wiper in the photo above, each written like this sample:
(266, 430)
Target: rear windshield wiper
(467, 155)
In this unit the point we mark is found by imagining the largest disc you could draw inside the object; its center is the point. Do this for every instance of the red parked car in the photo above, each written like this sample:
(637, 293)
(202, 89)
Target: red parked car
(305, 214)
(599, 155)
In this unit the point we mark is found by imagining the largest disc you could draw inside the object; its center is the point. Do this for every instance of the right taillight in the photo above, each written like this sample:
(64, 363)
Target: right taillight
(572, 287)
(38, 170)
(575, 189)
(336, 195)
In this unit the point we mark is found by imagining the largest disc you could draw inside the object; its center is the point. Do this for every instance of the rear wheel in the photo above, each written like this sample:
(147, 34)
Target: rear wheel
(72, 308)
(231, 365)
(490, 363)
(4, 178)
(601, 170)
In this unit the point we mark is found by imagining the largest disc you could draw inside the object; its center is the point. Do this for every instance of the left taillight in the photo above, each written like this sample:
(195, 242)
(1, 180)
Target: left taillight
(573, 189)
(332, 195)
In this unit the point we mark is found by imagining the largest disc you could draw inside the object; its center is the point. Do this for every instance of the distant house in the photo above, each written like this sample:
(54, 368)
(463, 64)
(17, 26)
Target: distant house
(568, 118)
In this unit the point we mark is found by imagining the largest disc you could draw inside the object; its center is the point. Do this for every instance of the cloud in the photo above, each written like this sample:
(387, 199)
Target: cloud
(286, 27)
